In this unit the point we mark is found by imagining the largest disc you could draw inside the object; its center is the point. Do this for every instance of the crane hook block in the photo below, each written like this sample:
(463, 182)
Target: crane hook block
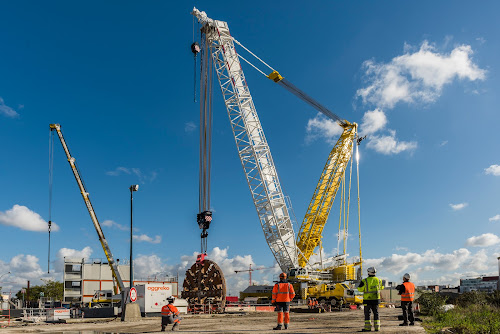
(204, 219)
(195, 48)
(275, 76)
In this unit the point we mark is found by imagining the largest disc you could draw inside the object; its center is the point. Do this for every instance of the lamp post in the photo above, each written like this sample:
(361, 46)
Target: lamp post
(132, 188)
(4, 274)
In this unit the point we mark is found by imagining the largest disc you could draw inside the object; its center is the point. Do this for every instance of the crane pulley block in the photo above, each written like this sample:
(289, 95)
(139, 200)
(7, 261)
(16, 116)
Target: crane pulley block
(275, 76)
(204, 219)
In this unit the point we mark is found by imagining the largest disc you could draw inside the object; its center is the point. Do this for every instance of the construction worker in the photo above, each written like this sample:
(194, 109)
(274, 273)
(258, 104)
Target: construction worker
(407, 292)
(310, 303)
(170, 315)
(283, 294)
(371, 287)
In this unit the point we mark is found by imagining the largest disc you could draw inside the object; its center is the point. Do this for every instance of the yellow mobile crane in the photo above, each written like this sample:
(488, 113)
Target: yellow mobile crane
(86, 199)
(292, 255)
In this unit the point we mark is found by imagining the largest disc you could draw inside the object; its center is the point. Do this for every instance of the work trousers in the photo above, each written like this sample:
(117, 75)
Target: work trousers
(374, 309)
(407, 312)
(283, 307)
(376, 320)
(170, 319)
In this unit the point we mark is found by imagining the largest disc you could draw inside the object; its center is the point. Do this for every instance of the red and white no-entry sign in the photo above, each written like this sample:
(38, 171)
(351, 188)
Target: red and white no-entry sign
(133, 294)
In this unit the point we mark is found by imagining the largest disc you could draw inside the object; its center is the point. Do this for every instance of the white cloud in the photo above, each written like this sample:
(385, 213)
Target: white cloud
(417, 77)
(373, 121)
(320, 127)
(85, 253)
(25, 219)
(458, 206)
(495, 218)
(24, 267)
(389, 144)
(433, 267)
(118, 171)
(493, 170)
(484, 240)
(481, 40)
(146, 266)
(146, 238)
(443, 143)
(143, 177)
(189, 127)
(6, 110)
(110, 223)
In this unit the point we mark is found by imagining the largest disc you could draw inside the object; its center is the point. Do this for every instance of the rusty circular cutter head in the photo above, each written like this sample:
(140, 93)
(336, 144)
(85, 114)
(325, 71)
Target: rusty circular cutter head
(204, 284)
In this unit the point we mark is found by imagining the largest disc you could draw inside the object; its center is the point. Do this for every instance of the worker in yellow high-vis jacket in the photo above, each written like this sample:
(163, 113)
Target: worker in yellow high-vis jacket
(371, 287)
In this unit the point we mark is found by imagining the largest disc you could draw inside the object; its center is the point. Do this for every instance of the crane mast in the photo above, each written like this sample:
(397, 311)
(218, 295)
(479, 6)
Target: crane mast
(251, 143)
(86, 199)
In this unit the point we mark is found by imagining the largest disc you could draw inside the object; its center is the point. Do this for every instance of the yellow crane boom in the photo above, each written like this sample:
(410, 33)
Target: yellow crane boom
(88, 204)
(324, 195)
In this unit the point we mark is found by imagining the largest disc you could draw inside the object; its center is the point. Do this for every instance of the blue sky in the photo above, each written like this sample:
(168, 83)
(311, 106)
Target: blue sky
(421, 79)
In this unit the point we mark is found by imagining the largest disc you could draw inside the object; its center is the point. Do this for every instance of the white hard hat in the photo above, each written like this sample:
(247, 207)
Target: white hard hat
(372, 271)
(171, 299)
(406, 276)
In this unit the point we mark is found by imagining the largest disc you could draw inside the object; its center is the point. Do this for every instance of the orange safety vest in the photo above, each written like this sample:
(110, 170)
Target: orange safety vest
(283, 292)
(167, 310)
(409, 293)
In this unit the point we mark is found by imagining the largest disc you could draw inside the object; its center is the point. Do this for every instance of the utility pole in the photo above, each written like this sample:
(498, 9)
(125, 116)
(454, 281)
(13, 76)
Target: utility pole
(132, 188)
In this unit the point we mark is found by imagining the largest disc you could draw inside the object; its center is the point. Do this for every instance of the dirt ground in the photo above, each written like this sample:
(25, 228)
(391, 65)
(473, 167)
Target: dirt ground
(348, 321)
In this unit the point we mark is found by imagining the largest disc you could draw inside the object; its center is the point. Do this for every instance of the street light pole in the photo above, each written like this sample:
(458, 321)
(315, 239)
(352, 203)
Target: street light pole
(132, 188)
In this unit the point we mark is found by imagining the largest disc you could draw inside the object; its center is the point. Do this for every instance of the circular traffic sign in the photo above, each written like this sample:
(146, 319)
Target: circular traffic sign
(133, 294)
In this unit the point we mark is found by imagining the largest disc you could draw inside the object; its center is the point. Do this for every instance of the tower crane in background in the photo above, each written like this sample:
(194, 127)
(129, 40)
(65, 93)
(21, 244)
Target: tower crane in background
(249, 270)
(290, 251)
(107, 251)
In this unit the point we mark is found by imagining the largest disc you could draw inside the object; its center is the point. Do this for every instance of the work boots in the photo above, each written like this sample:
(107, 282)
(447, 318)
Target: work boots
(286, 326)
(175, 327)
(277, 328)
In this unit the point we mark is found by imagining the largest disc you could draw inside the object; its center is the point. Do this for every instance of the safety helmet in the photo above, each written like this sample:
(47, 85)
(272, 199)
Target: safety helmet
(283, 276)
(372, 271)
(170, 300)
(406, 276)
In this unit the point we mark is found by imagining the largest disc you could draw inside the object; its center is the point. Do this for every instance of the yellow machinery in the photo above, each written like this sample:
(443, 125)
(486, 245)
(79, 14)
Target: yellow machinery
(338, 293)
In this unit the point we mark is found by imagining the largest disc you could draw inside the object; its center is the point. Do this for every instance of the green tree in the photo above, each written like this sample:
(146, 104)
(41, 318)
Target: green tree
(51, 289)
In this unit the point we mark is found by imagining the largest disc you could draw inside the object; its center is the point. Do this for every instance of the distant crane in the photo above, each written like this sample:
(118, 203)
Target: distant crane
(250, 269)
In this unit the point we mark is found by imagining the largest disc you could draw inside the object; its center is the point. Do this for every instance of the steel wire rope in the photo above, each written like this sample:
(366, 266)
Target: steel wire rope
(349, 191)
(51, 169)
(293, 89)
(359, 209)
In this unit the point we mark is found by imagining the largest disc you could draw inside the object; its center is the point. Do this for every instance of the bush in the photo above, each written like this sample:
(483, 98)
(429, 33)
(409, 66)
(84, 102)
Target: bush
(473, 319)
(472, 298)
(431, 303)
(493, 298)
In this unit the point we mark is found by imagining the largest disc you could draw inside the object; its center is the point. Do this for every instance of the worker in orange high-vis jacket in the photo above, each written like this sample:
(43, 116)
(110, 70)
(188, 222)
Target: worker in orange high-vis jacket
(407, 292)
(310, 303)
(283, 294)
(170, 315)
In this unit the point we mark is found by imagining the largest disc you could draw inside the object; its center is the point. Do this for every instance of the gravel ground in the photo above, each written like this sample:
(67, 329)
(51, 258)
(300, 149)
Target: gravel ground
(348, 321)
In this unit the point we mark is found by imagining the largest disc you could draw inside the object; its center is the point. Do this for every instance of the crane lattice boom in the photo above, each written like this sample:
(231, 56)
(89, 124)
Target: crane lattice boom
(251, 144)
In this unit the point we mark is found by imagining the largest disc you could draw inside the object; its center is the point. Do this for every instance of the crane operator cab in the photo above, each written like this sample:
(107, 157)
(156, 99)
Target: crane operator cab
(299, 274)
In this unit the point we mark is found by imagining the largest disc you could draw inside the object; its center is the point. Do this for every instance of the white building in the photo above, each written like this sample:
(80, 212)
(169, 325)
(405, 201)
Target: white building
(485, 283)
